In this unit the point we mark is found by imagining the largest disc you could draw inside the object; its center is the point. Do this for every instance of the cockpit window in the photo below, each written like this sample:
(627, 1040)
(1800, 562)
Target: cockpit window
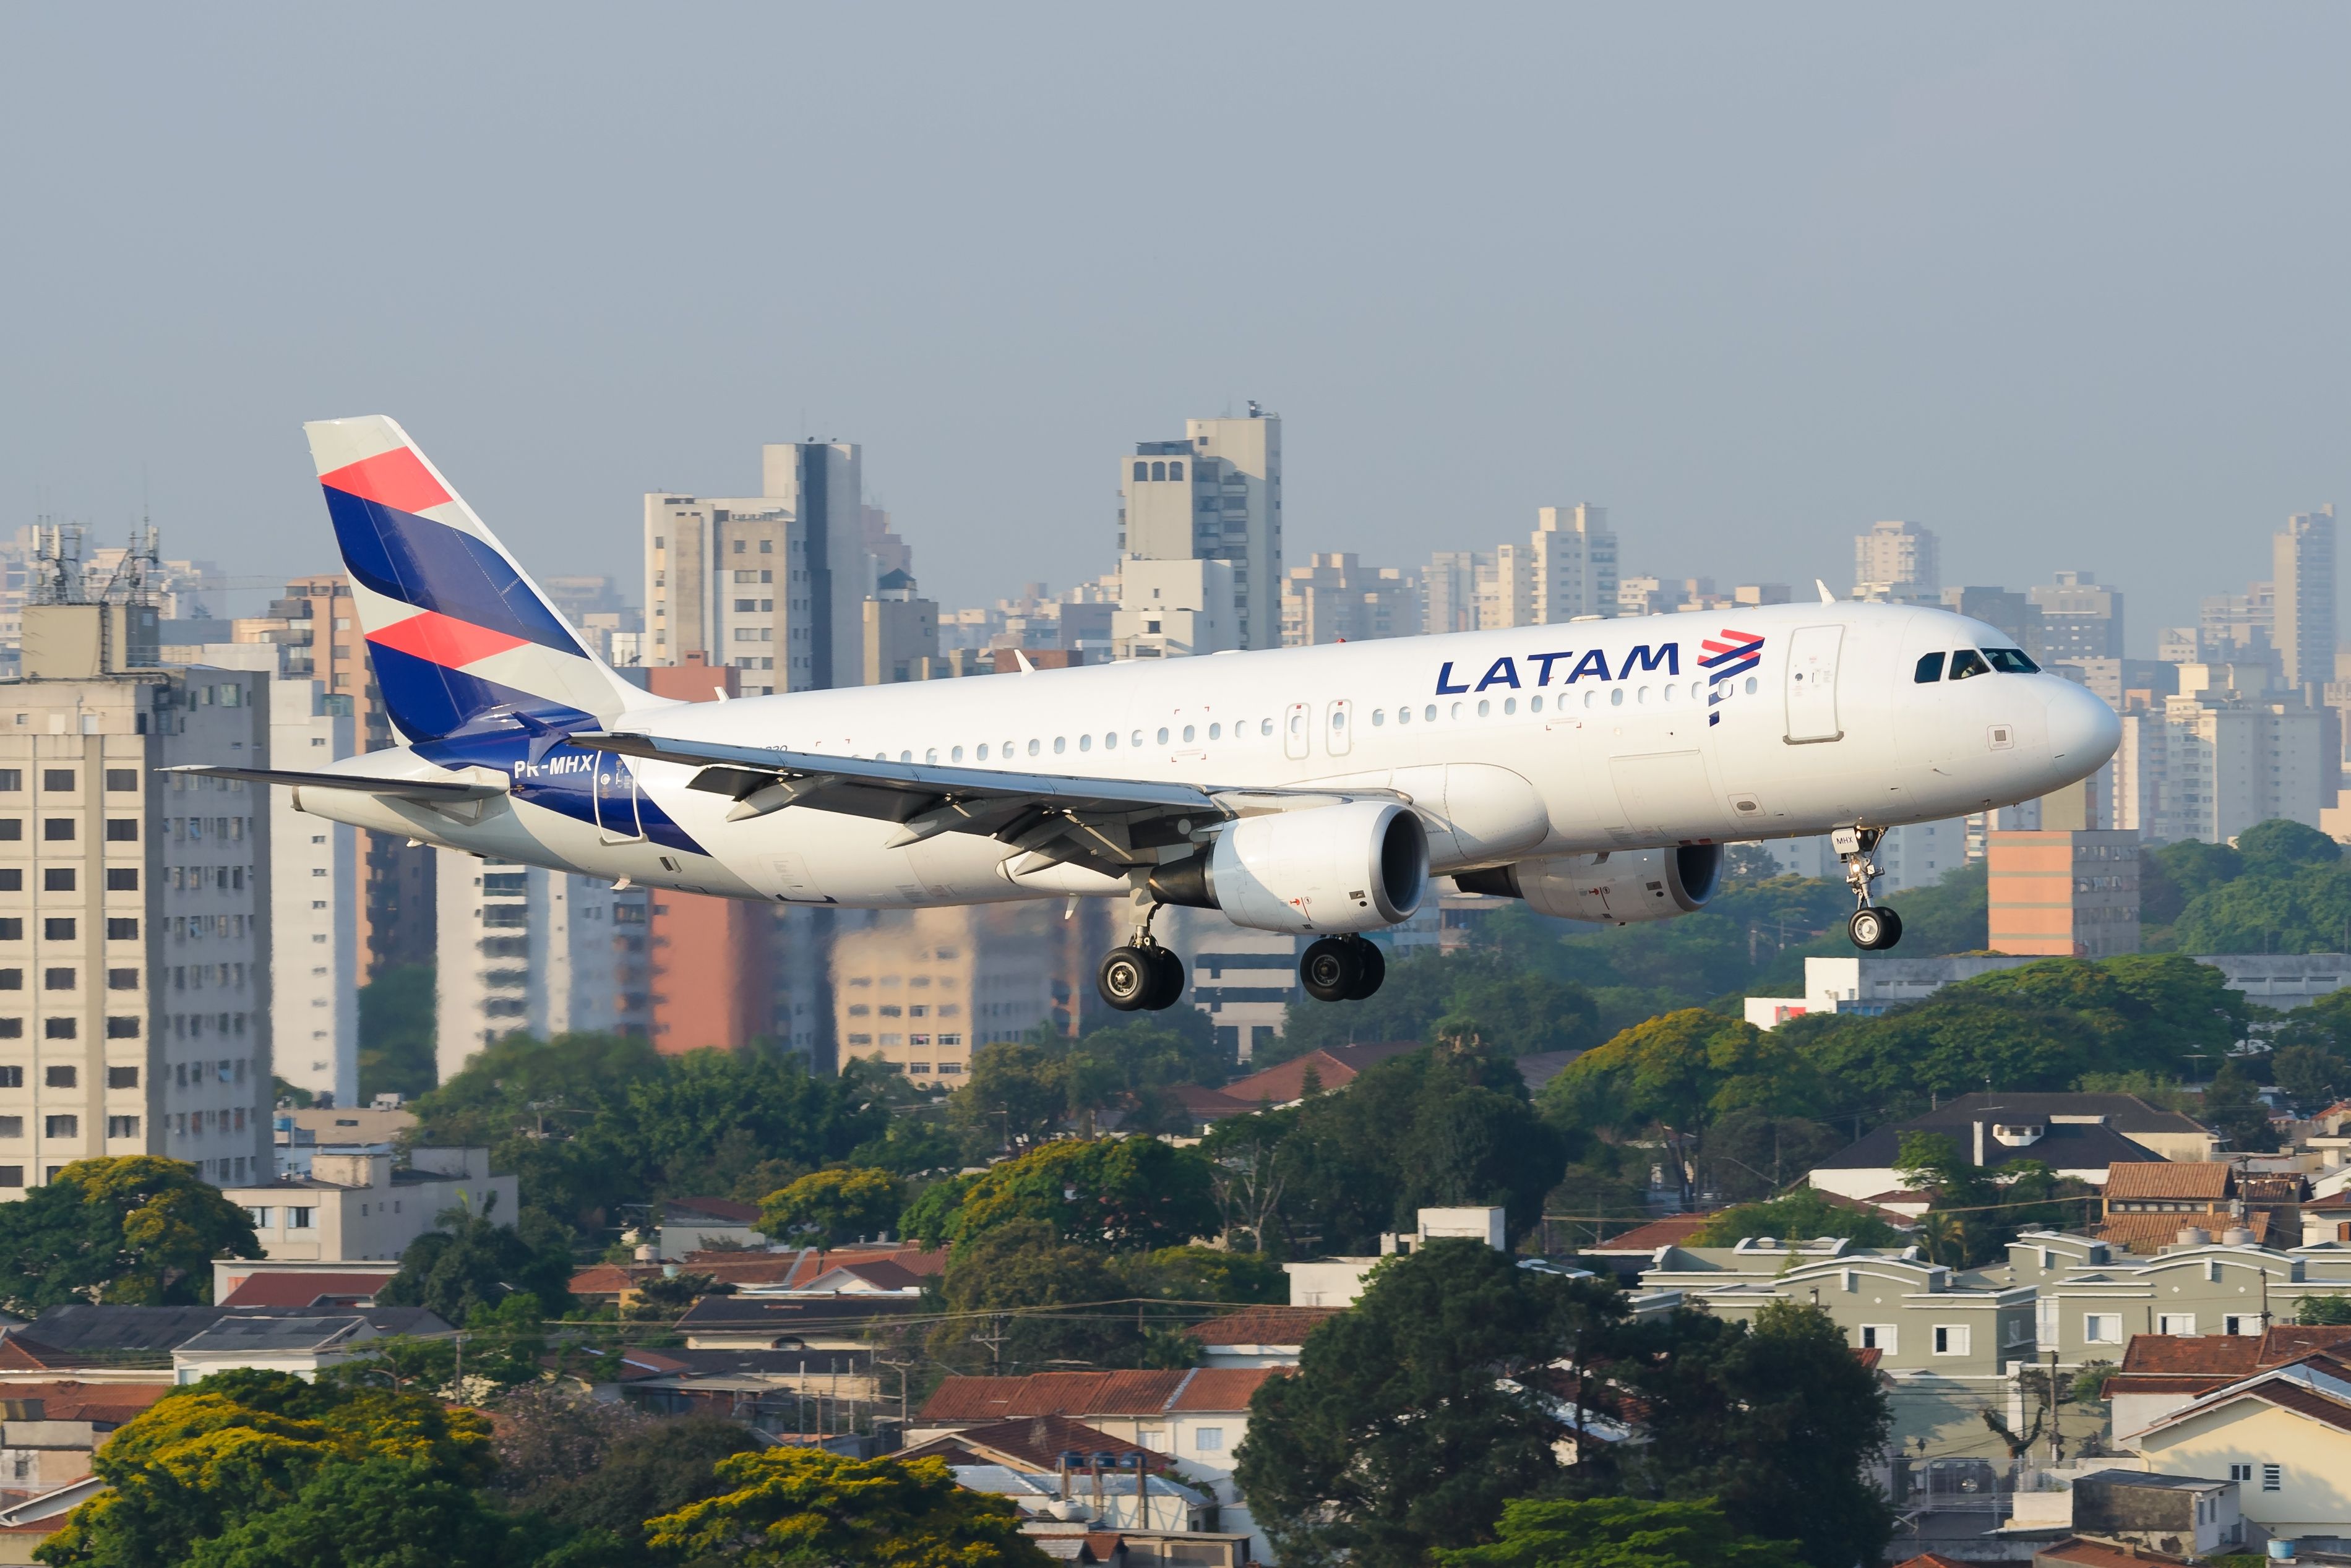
(1930, 669)
(1967, 662)
(2012, 662)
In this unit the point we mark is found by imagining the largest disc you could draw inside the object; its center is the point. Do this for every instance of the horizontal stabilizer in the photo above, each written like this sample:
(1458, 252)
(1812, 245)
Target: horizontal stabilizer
(396, 789)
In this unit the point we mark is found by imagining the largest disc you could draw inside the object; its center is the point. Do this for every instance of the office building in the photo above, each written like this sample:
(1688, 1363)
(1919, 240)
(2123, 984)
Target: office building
(2302, 560)
(2068, 893)
(1170, 608)
(1337, 598)
(134, 911)
(1214, 495)
(2079, 619)
(2239, 628)
(1572, 563)
(901, 631)
(770, 585)
(525, 950)
(1898, 561)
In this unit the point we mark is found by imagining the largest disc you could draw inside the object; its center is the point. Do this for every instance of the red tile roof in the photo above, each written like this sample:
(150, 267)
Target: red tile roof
(306, 1290)
(2146, 1234)
(1204, 1104)
(1263, 1325)
(2090, 1553)
(1035, 1442)
(2230, 1357)
(1932, 1560)
(108, 1404)
(1337, 1067)
(1673, 1231)
(2208, 1179)
(1084, 1393)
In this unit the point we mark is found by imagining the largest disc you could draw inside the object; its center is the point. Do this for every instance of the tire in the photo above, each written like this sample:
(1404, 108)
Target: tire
(1872, 929)
(1893, 929)
(1127, 978)
(1329, 969)
(1168, 985)
(1375, 964)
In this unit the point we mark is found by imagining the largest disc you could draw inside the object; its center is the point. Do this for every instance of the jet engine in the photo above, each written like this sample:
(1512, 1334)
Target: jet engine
(1618, 886)
(1356, 867)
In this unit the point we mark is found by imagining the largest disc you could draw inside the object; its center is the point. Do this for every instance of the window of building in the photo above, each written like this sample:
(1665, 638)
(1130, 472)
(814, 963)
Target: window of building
(12, 1175)
(12, 929)
(11, 779)
(2102, 1328)
(12, 980)
(58, 1077)
(2175, 1323)
(1209, 1439)
(119, 779)
(2273, 1478)
(57, 830)
(125, 829)
(58, 979)
(122, 929)
(122, 1078)
(120, 1026)
(299, 1218)
(1951, 1339)
(122, 1126)
(61, 1126)
(57, 780)
(57, 928)
(60, 1028)
(56, 879)
(2240, 1472)
(1884, 1337)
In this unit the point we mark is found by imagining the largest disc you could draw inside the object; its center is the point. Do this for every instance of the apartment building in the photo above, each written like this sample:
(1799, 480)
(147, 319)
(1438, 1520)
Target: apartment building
(772, 585)
(2071, 894)
(900, 632)
(1214, 495)
(526, 950)
(134, 911)
(2301, 562)
(2080, 619)
(2217, 758)
(1175, 608)
(358, 1204)
(1897, 562)
(1335, 598)
(920, 990)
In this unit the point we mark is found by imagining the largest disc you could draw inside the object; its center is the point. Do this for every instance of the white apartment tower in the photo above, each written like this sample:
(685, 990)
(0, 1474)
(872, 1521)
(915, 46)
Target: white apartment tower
(1898, 561)
(1335, 598)
(772, 584)
(1566, 569)
(2214, 761)
(1214, 495)
(2301, 557)
(525, 950)
(134, 926)
(314, 872)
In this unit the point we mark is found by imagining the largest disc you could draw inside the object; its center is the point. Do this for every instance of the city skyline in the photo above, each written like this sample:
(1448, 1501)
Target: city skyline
(1767, 285)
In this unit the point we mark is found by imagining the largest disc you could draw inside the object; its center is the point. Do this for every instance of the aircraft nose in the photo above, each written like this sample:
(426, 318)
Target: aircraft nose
(2083, 730)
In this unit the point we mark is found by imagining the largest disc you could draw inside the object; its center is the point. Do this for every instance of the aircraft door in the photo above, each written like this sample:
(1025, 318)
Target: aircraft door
(1295, 726)
(618, 818)
(1811, 684)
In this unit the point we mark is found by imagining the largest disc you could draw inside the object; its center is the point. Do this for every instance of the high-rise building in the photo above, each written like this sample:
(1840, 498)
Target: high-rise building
(920, 990)
(2066, 893)
(1572, 563)
(1448, 591)
(525, 950)
(2015, 614)
(1337, 598)
(2079, 619)
(2239, 628)
(771, 584)
(2212, 761)
(1214, 495)
(901, 631)
(1898, 561)
(2302, 558)
(1171, 608)
(134, 911)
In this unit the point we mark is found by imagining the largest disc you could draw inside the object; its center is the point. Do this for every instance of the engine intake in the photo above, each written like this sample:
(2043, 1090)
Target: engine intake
(1618, 886)
(1356, 867)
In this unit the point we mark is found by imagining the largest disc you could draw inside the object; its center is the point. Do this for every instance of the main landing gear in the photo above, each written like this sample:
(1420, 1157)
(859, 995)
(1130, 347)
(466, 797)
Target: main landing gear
(1873, 927)
(1341, 968)
(1142, 975)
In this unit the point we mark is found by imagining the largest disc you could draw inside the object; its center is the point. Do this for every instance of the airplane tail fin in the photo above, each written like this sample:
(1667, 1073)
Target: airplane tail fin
(461, 639)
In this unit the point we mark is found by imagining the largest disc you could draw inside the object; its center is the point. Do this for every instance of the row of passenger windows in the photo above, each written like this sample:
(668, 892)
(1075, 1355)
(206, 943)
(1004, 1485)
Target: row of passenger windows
(1190, 734)
(1967, 662)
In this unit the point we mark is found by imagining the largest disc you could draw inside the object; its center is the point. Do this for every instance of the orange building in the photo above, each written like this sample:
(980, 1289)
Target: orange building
(2071, 895)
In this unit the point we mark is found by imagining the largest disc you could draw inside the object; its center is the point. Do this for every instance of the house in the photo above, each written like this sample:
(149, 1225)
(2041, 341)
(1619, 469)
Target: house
(49, 1430)
(2164, 1372)
(1288, 1083)
(2283, 1433)
(2085, 1551)
(2188, 1515)
(2089, 1311)
(1102, 1498)
(747, 1321)
(2327, 1219)
(1258, 1336)
(2079, 1136)
(2146, 1207)
(240, 1282)
(779, 1392)
(24, 1525)
(1196, 1417)
(304, 1345)
(104, 1343)
(360, 1205)
(1338, 1281)
(695, 1224)
(782, 1269)
(1032, 1444)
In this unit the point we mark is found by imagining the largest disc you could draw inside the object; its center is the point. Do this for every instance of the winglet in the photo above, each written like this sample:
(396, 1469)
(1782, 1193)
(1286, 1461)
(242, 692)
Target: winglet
(1827, 597)
(1026, 667)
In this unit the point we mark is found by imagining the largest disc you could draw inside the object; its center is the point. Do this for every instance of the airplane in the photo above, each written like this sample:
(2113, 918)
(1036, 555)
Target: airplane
(1594, 768)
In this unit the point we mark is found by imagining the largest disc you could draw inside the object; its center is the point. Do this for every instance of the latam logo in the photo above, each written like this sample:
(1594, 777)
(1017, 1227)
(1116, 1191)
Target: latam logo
(1727, 654)
(1665, 657)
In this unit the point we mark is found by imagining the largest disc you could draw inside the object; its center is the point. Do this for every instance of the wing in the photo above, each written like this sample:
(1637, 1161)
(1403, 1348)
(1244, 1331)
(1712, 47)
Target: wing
(398, 788)
(1110, 825)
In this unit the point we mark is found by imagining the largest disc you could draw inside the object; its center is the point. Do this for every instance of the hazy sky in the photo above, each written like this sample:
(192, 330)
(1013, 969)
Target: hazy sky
(2066, 283)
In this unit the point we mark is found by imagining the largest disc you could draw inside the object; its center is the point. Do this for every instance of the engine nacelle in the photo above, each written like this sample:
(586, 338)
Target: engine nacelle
(1618, 887)
(1355, 867)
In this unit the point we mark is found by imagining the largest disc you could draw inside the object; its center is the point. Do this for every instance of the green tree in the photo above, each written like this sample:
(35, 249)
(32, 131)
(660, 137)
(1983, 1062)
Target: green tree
(473, 1261)
(1014, 1095)
(1618, 1532)
(1123, 1193)
(1016, 1298)
(2184, 872)
(209, 1457)
(804, 1508)
(1776, 1420)
(2311, 1077)
(1749, 1154)
(826, 1209)
(384, 1512)
(132, 1229)
(1799, 1215)
(2322, 1309)
(1520, 1014)
(1417, 1413)
(2233, 1109)
(2283, 848)
(661, 1466)
(396, 1032)
(2275, 909)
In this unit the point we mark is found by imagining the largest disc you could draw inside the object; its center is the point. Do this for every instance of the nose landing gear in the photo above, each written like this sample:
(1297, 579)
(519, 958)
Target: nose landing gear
(1341, 968)
(1142, 975)
(1873, 927)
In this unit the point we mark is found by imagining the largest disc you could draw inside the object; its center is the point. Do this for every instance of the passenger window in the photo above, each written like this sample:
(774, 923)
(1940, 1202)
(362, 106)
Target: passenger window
(1110, 741)
(1534, 705)
(956, 755)
(1616, 696)
(1965, 663)
(983, 751)
(1455, 712)
(1215, 732)
(1265, 727)
(1484, 708)
(1085, 742)
(1162, 735)
(1187, 735)
(1428, 714)
(1060, 744)
(1930, 669)
(1135, 739)
(2012, 662)
(1379, 717)
(931, 755)
(1032, 748)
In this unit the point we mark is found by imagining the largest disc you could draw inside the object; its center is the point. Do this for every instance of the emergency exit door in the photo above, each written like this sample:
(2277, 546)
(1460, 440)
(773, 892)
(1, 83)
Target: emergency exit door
(1811, 684)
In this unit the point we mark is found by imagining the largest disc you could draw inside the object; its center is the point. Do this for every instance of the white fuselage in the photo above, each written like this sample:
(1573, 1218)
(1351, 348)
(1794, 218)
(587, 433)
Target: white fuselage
(1513, 745)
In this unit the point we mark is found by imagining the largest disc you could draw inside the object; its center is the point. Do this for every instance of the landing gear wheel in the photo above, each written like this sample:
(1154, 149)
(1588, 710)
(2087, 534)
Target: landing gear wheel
(1129, 977)
(1375, 964)
(1874, 928)
(1330, 969)
(1167, 988)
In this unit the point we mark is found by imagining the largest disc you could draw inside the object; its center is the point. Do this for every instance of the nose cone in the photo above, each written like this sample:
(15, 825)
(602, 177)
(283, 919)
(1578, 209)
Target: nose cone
(2083, 730)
